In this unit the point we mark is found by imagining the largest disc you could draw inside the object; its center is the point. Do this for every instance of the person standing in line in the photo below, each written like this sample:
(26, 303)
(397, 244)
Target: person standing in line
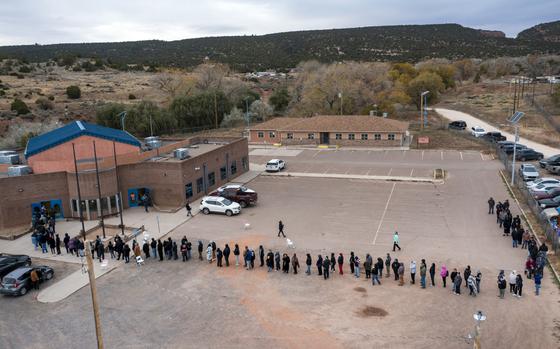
(395, 266)
(326, 266)
(352, 260)
(277, 260)
(502, 284)
(413, 272)
(375, 271)
(219, 256)
(340, 263)
(209, 253)
(34, 279)
(452, 277)
(400, 272)
(213, 243)
(367, 266)
(137, 251)
(100, 252)
(236, 254)
(357, 266)
(66, 241)
(248, 254)
(295, 263)
(396, 241)
(472, 285)
(512, 281)
(281, 229)
(423, 269)
(285, 263)
(491, 204)
(145, 248)
(538, 279)
(444, 273)
(308, 263)
(388, 265)
(188, 207)
(184, 251)
(52, 244)
(126, 253)
(333, 262)
(379, 265)
(174, 250)
(200, 248)
(57, 243)
(227, 251)
(111, 249)
(319, 264)
(261, 254)
(253, 256)
(457, 283)
(153, 245)
(270, 261)
(529, 267)
(433, 274)
(466, 275)
(519, 286)
(478, 278)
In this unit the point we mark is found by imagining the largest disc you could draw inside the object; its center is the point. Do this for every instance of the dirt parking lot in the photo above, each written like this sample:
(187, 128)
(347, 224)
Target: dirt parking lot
(172, 304)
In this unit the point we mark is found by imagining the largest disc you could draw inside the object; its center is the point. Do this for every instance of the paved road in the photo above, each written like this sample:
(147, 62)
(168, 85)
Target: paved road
(471, 121)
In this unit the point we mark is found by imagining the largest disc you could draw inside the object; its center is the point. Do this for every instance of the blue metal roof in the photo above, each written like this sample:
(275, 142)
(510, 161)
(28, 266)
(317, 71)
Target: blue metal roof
(73, 130)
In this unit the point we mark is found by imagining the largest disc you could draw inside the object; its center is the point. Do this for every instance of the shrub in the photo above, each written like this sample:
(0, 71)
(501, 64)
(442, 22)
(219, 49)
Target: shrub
(73, 92)
(24, 69)
(51, 98)
(22, 142)
(44, 104)
(131, 96)
(19, 106)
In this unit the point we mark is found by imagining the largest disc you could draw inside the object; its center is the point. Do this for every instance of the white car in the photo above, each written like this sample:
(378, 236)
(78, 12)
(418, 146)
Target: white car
(275, 165)
(528, 172)
(218, 204)
(546, 180)
(544, 187)
(477, 131)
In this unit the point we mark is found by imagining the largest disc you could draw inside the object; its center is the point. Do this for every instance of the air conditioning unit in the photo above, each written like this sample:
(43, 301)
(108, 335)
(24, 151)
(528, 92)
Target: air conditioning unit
(152, 142)
(19, 170)
(181, 153)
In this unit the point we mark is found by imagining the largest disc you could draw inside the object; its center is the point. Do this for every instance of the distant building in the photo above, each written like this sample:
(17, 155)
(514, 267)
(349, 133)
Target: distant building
(343, 130)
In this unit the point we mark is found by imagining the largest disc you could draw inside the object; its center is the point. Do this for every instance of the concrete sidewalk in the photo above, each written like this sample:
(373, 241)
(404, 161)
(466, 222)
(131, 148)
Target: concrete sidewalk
(352, 176)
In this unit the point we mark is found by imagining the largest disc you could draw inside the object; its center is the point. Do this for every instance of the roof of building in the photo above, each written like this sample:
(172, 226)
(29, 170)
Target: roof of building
(73, 130)
(335, 123)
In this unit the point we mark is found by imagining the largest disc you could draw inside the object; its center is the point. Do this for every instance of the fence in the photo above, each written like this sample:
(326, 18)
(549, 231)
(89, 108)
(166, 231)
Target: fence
(550, 228)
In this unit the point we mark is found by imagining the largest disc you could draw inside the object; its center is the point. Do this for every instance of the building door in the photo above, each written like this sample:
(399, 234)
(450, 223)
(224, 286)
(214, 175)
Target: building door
(324, 138)
(53, 208)
(135, 196)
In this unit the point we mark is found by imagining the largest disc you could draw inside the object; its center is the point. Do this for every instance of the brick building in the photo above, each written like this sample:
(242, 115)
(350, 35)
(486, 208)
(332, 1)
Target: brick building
(343, 130)
(169, 180)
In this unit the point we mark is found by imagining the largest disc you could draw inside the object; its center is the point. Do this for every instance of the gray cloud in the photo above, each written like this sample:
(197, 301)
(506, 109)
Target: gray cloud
(54, 21)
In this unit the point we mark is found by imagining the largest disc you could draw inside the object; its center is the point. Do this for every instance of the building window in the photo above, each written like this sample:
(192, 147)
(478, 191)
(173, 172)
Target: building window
(271, 134)
(104, 204)
(364, 136)
(338, 136)
(290, 135)
(211, 179)
(311, 136)
(223, 173)
(245, 163)
(92, 205)
(377, 136)
(233, 167)
(351, 136)
(200, 185)
(188, 190)
(113, 201)
(260, 134)
(391, 137)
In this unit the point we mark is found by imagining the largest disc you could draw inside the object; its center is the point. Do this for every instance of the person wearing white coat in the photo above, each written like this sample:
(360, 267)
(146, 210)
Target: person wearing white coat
(209, 253)
(512, 281)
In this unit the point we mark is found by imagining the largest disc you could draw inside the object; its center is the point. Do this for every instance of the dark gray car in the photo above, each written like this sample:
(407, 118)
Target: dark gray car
(18, 282)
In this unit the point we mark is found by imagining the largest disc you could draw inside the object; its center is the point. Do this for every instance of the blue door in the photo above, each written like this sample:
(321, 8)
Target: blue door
(133, 199)
(53, 208)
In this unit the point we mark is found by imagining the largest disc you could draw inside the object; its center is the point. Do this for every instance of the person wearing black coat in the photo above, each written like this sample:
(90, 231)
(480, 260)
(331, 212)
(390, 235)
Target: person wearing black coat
(270, 261)
(326, 266)
(159, 250)
(52, 244)
(200, 248)
(333, 262)
(174, 249)
(308, 262)
(227, 251)
(219, 256)
(277, 260)
(57, 242)
(236, 254)
(100, 251)
(286, 263)
(146, 249)
(319, 264)
(433, 273)
(379, 265)
(261, 255)
(395, 266)
(466, 275)
(66, 241)
(351, 262)
(340, 263)
(126, 253)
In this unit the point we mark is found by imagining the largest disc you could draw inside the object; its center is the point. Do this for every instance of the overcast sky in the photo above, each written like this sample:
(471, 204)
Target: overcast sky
(56, 21)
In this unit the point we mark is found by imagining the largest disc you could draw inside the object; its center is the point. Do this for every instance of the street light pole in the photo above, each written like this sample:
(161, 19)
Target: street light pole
(514, 120)
(423, 102)
(340, 96)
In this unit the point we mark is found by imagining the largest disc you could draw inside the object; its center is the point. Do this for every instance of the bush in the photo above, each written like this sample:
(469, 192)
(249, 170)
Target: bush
(51, 98)
(131, 96)
(19, 106)
(44, 104)
(24, 69)
(73, 92)
(22, 142)
(77, 68)
(2, 93)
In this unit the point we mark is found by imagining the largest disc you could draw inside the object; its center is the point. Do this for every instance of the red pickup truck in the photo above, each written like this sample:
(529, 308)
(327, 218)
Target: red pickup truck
(237, 193)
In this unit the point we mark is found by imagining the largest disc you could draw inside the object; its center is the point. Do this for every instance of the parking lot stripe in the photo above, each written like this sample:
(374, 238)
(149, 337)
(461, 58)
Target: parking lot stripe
(492, 156)
(482, 157)
(391, 170)
(384, 212)
(411, 172)
(461, 153)
(422, 155)
(441, 156)
(314, 155)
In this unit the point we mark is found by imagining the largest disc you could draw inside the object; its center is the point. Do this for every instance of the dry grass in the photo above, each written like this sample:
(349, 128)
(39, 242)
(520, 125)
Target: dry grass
(369, 311)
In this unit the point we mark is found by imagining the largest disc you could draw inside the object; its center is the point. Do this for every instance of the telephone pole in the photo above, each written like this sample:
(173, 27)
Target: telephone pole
(215, 110)
(89, 261)
(99, 190)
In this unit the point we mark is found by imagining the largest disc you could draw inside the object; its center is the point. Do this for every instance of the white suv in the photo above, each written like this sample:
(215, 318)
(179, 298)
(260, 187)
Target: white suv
(220, 205)
(275, 165)
(477, 131)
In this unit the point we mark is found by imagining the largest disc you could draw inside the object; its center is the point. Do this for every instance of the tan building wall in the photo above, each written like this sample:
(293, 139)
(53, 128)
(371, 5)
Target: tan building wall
(268, 137)
(294, 138)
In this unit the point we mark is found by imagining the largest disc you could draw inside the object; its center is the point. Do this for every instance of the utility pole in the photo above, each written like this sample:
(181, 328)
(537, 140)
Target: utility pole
(99, 190)
(340, 96)
(514, 120)
(514, 96)
(120, 203)
(215, 110)
(533, 96)
(522, 87)
(421, 112)
(87, 249)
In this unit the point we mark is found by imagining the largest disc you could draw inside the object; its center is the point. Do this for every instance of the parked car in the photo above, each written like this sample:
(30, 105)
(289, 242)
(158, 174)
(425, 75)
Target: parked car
(12, 262)
(502, 144)
(528, 172)
(552, 159)
(218, 204)
(528, 154)
(477, 131)
(553, 166)
(237, 193)
(549, 194)
(544, 187)
(544, 180)
(508, 149)
(493, 137)
(18, 281)
(275, 165)
(546, 203)
(457, 125)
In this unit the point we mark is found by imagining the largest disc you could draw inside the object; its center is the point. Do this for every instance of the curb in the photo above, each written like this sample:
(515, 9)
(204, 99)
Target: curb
(347, 176)
(554, 271)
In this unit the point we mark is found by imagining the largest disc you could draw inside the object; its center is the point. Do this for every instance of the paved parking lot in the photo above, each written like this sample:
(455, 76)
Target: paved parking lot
(195, 304)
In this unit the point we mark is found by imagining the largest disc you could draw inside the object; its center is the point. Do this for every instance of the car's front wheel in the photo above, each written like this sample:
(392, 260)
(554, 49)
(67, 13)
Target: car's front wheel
(23, 291)
(243, 204)
(49, 276)
(28, 263)
(205, 210)
(229, 213)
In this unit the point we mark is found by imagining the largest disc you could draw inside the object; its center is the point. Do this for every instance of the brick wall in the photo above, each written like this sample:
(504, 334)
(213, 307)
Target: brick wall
(266, 137)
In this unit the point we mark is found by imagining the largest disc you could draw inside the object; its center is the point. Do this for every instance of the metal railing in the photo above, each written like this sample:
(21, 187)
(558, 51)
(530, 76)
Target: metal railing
(551, 232)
